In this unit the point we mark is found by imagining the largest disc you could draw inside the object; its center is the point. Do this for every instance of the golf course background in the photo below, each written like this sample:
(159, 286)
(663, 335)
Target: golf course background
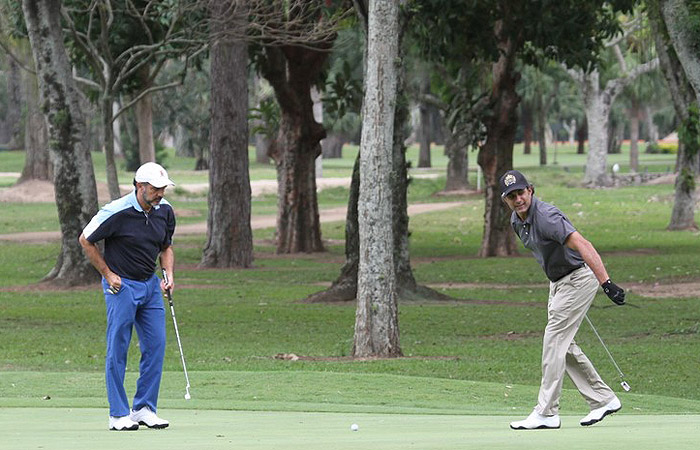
(269, 370)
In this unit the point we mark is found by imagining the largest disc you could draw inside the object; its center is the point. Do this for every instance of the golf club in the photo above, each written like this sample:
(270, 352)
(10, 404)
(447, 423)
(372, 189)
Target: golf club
(177, 335)
(624, 384)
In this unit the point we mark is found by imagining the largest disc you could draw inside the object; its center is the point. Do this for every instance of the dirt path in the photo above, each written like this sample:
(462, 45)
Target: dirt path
(256, 222)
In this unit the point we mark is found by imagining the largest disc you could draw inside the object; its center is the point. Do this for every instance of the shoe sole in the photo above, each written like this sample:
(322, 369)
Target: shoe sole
(131, 428)
(158, 426)
(605, 414)
(541, 427)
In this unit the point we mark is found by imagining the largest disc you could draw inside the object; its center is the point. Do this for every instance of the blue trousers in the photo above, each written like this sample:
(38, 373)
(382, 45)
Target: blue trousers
(137, 304)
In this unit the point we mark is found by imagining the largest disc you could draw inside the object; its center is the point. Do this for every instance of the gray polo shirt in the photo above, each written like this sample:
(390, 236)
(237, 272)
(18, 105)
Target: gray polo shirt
(544, 231)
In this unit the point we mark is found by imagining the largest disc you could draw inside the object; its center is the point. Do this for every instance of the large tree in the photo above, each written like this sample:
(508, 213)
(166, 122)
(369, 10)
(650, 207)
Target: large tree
(292, 68)
(37, 164)
(344, 288)
(229, 235)
(74, 180)
(501, 32)
(120, 46)
(666, 22)
(681, 18)
(376, 320)
(598, 92)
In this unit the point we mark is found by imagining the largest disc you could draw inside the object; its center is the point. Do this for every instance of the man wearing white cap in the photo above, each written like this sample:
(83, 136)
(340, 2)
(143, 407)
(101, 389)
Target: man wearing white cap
(136, 229)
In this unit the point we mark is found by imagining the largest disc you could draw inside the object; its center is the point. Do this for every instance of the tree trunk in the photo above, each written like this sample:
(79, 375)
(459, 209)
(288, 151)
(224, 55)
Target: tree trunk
(262, 149)
(298, 225)
(333, 145)
(344, 288)
(376, 318)
(634, 140)
(424, 110)
(571, 130)
(542, 132)
(37, 163)
(13, 118)
(496, 155)
(615, 136)
(684, 102)
(229, 234)
(598, 113)
(598, 104)
(581, 137)
(291, 71)
(110, 163)
(457, 163)
(262, 142)
(527, 127)
(682, 35)
(74, 178)
(683, 213)
(117, 131)
(144, 118)
(652, 128)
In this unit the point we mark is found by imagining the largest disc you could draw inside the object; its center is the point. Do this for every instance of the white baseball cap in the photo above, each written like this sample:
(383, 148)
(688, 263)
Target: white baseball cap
(153, 174)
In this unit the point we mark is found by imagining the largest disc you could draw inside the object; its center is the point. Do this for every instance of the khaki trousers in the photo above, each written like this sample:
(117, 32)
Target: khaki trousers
(569, 300)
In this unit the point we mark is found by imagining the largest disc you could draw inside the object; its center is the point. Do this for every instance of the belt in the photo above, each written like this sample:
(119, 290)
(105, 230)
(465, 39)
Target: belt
(570, 272)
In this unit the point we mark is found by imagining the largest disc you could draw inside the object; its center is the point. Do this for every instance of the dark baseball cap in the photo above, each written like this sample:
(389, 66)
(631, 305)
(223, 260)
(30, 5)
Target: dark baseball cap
(512, 181)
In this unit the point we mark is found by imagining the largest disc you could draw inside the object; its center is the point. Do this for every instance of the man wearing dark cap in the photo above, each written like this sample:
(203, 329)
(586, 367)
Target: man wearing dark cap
(136, 229)
(575, 271)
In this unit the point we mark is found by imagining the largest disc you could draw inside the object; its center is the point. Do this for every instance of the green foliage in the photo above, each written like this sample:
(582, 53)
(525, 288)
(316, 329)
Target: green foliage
(343, 94)
(184, 111)
(691, 24)
(132, 159)
(666, 148)
(564, 30)
(265, 117)
(689, 132)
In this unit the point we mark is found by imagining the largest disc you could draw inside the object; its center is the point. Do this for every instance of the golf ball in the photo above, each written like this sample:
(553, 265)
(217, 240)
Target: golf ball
(354, 427)
(187, 396)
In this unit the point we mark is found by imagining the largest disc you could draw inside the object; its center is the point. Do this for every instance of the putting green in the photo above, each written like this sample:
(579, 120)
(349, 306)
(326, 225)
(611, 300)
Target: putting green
(86, 428)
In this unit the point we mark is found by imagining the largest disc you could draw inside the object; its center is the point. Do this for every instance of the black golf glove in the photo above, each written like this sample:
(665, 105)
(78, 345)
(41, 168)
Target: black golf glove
(614, 292)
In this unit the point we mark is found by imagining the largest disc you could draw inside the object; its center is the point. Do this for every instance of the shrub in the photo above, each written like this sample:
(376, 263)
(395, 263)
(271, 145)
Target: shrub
(662, 147)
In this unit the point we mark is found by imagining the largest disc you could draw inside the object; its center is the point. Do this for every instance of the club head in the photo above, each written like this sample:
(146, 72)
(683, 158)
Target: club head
(625, 386)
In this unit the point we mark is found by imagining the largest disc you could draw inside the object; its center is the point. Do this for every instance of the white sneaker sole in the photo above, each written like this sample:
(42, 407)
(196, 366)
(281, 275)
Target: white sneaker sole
(540, 427)
(134, 427)
(605, 414)
(158, 426)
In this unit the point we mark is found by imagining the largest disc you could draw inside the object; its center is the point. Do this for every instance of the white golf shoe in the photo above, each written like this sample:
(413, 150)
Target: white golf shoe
(123, 423)
(599, 414)
(145, 416)
(537, 421)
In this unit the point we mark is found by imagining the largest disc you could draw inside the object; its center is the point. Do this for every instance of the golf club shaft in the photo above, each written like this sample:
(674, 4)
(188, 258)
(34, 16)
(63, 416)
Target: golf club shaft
(177, 332)
(604, 346)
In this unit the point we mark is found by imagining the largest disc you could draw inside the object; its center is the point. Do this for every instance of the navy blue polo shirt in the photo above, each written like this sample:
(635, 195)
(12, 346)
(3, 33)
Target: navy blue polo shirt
(545, 231)
(133, 238)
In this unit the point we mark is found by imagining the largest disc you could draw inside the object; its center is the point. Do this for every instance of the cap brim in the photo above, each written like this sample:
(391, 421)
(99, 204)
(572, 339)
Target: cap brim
(161, 183)
(514, 187)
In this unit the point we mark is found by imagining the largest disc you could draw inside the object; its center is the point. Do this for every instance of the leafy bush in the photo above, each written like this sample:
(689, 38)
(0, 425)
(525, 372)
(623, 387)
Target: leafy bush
(662, 147)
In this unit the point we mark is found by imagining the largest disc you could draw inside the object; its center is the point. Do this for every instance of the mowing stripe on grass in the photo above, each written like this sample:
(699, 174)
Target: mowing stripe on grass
(86, 428)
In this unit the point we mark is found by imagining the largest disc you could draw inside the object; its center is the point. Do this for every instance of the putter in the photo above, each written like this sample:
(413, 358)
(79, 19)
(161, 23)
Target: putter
(177, 335)
(624, 383)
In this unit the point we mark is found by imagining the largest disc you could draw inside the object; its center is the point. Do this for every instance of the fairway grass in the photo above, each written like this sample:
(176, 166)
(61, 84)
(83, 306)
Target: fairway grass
(314, 391)
(78, 429)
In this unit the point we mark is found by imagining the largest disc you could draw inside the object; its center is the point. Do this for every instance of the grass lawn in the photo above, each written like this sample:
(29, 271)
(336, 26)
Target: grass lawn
(471, 364)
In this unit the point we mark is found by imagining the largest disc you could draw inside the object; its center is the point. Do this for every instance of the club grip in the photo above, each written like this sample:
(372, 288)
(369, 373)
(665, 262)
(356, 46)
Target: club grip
(165, 276)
